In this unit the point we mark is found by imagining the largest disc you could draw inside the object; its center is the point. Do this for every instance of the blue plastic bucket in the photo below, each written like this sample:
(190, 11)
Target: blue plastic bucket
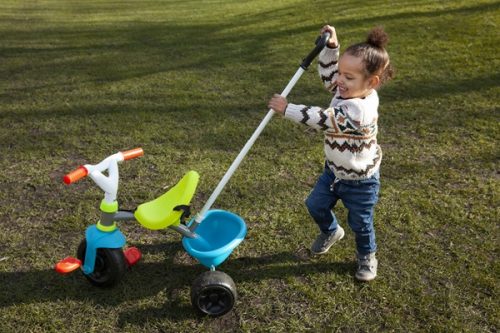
(219, 233)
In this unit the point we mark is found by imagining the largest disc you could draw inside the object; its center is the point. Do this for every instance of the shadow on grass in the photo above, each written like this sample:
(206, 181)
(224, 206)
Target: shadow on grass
(169, 278)
(244, 269)
(65, 59)
(405, 90)
(136, 50)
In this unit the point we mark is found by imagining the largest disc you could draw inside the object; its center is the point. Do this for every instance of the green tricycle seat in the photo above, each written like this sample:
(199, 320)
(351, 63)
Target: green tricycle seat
(160, 213)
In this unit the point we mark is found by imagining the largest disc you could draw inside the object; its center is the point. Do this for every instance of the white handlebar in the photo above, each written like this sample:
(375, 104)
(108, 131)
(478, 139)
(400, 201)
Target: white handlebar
(109, 184)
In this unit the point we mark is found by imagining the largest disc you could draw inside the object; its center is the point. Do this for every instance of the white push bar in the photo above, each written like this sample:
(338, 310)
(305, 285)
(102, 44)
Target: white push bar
(320, 44)
(243, 152)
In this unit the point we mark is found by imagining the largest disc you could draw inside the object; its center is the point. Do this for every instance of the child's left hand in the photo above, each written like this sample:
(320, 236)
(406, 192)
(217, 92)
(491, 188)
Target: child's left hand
(278, 103)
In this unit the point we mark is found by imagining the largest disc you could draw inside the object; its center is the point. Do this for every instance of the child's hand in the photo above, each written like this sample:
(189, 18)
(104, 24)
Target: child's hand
(332, 42)
(278, 103)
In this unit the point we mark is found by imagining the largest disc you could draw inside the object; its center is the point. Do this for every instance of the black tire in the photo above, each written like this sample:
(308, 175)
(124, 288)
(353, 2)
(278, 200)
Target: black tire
(213, 293)
(110, 265)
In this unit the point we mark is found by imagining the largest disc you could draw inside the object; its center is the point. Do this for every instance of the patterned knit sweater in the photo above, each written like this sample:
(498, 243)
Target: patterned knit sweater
(349, 125)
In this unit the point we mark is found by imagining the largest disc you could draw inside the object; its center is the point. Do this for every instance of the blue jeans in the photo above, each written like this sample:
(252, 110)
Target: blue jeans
(358, 196)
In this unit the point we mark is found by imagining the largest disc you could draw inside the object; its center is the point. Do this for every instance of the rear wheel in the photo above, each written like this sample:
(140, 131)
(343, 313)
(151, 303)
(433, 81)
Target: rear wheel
(213, 293)
(110, 265)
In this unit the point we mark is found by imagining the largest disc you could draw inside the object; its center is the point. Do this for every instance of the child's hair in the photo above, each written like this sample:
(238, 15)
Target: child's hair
(374, 55)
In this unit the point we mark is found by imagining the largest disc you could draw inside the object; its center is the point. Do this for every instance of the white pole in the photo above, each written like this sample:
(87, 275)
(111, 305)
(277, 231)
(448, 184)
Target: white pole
(243, 152)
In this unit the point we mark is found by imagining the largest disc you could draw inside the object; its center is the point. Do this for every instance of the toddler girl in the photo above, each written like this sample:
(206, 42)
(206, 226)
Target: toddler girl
(352, 154)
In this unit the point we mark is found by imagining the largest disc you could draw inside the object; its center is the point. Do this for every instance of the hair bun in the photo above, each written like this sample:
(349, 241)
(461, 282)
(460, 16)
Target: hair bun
(378, 37)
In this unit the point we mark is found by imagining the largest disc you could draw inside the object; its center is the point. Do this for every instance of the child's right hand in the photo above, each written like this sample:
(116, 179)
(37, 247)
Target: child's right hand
(278, 103)
(332, 42)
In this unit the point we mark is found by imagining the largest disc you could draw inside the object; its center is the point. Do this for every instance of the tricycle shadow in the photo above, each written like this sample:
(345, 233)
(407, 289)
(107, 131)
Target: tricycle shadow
(169, 278)
(140, 281)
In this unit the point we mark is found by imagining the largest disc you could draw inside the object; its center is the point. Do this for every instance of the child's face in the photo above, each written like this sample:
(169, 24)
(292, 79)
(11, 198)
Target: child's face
(352, 81)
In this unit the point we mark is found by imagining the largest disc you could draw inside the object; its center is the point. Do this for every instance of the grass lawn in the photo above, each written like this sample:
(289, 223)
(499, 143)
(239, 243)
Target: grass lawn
(189, 81)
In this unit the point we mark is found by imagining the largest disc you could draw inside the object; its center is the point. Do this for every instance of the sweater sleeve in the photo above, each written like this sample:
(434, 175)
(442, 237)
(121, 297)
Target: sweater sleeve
(328, 67)
(341, 119)
(312, 116)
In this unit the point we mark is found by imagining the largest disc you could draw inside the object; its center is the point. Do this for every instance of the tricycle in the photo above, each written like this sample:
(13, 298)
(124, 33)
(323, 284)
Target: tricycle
(101, 256)
(210, 237)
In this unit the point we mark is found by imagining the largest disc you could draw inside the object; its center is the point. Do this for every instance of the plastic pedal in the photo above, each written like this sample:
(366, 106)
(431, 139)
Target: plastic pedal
(67, 265)
(132, 255)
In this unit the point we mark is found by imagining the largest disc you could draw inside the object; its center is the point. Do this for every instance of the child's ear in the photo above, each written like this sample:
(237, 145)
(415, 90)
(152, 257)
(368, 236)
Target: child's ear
(374, 81)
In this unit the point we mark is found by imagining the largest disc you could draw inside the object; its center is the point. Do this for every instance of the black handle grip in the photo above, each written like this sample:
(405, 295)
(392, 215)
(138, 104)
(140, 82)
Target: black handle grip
(321, 42)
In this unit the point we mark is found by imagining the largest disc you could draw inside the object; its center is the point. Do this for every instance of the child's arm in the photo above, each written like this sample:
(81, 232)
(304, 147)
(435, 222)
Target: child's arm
(328, 60)
(313, 116)
(344, 119)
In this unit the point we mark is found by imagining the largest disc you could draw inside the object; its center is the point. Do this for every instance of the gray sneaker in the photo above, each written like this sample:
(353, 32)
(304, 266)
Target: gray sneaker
(367, 267)
(324, 241)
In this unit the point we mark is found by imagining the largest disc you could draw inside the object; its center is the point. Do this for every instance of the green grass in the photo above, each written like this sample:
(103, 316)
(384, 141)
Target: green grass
(189, 82)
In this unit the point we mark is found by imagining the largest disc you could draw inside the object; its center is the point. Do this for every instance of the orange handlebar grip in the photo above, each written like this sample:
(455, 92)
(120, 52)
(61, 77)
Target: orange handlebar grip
(76, 175)
(133, 153)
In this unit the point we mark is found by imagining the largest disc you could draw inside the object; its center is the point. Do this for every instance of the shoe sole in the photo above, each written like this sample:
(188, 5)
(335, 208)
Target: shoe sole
(365, 279)
(328, 248)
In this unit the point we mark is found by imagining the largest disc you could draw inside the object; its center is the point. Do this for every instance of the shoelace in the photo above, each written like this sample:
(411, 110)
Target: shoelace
(365, 264)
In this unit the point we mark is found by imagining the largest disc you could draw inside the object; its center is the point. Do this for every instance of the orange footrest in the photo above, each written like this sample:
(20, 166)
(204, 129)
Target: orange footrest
(67, 265)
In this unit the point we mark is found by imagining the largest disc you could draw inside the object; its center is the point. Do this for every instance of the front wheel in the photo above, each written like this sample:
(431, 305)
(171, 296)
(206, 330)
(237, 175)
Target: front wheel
(213, 293)
(110, 265)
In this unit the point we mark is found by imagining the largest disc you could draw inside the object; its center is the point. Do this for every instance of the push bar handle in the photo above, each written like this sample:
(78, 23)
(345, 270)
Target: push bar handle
(321, 42)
